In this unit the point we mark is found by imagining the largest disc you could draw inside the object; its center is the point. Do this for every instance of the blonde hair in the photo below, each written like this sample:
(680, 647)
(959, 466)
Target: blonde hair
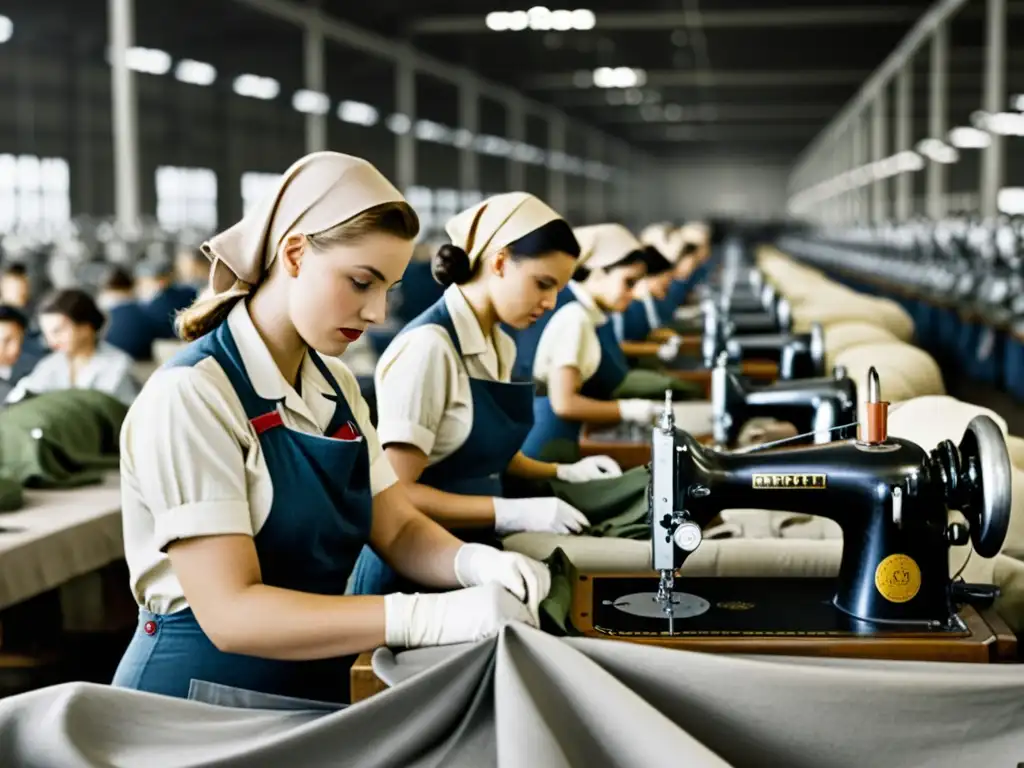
(209, 311)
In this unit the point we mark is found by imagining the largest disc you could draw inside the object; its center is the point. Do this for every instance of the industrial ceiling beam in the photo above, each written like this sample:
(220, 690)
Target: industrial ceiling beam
(724, 113)
(722, 19)
(717, 133)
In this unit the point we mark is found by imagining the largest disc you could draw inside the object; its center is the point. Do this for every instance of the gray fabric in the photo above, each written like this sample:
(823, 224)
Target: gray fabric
(529, 700)
(242, 698)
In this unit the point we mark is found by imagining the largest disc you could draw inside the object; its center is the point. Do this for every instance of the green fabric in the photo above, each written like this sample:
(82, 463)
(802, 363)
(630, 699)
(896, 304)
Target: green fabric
(60, 439)
(554, 609)
(651, 385)
(616, 507)
(11, 497)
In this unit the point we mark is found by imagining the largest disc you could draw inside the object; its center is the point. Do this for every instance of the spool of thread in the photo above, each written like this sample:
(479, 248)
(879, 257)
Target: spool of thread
(877, 427)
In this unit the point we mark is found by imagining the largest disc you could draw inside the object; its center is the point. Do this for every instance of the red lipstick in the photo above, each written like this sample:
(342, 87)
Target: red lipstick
(351, 334)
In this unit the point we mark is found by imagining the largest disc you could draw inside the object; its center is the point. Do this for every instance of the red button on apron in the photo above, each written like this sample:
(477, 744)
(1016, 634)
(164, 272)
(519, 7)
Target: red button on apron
(149, 627)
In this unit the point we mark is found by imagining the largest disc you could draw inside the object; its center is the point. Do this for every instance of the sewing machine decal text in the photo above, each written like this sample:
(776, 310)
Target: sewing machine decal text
(772, 482)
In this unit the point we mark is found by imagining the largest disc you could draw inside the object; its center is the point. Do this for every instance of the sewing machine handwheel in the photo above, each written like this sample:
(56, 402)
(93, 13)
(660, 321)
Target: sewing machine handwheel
(985, 468)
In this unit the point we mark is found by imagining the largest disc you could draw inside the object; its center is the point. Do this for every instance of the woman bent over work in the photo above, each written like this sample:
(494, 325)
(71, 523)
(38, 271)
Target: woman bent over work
(252, 477)
(451, 420)
(578, 363)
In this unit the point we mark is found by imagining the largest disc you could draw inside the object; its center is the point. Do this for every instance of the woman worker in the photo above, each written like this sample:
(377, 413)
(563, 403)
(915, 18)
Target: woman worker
(252, 477)
(450, 418)
(80, 359)
(642, 317)
(578, 363)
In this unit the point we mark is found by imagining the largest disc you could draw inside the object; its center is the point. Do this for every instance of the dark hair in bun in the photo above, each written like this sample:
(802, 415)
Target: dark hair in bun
(450, 266)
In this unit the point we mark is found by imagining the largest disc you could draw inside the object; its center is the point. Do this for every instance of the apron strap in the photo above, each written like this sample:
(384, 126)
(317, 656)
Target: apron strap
(267, 421)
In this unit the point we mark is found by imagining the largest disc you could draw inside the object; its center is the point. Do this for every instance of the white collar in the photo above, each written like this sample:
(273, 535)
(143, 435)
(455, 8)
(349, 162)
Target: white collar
(467, 326)
(588, 303)
(265, 376)
(471, 336)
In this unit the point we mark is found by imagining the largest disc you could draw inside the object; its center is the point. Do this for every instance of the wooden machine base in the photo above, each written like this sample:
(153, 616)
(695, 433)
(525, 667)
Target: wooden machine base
(806, 625)
(788, 616)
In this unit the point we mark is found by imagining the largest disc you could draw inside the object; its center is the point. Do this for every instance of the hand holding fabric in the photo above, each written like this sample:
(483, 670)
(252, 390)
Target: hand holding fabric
(527, 579)
(446, 618)
(639, 411)
(590, 468)
(546, 514)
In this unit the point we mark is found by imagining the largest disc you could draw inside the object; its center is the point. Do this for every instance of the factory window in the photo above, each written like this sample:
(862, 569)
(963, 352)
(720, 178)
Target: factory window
(35, 194)
(257, 185)
(186, 198)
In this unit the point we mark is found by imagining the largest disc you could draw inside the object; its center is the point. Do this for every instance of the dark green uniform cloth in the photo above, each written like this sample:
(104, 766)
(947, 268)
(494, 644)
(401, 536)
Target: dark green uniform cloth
(60, 439)
(647, 384)
(616, 507)
(554, 609)
(11, 497)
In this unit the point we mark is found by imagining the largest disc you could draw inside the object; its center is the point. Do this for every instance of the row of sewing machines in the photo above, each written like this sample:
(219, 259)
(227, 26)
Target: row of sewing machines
(894, 596)
(961, 279)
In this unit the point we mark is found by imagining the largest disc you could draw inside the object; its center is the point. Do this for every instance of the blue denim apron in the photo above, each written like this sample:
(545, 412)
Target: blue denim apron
(319, 521)
(636, 323)
(502, 416)
(611, 371)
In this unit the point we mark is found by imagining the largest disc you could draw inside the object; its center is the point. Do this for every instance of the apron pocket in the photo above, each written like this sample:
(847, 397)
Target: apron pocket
(241, 698)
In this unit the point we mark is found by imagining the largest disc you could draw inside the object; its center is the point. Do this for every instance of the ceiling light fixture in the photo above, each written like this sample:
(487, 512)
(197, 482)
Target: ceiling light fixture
(938, 151)
(1010, 200)
(969, 138)
(619, 77)
(256, 87)
(540, 19)
(358, 113)
(6, 29)
(311, 102)
(148, 61)
(1017, 102)
(195, 72)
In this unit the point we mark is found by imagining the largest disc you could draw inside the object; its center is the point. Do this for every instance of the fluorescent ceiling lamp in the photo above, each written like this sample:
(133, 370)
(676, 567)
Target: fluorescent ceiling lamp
(619, 77)
(969, 138)
(428, 130)
(6, 29)
(195, 72)
(256, 87)
(1010, 200)
(540, 19)
(583, 19)
(398, 123)
(149, 61)
(495, 146)
(311, 102)
(357, 113)
(938, 151)
(463, 138)
(1017, 102)
(1005, 124)
(517, 21)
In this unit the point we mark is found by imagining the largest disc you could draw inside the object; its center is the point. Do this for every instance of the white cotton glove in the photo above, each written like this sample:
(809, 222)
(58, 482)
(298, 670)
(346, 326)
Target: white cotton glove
(527, 579)
(461, 616)
(547, 515)
(669, 351)
(590, 468)
(639, 411)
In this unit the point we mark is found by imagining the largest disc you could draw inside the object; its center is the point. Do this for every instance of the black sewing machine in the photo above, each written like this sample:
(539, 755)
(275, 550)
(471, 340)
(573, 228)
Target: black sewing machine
(889, 496)
(817, 407)
(799, 356)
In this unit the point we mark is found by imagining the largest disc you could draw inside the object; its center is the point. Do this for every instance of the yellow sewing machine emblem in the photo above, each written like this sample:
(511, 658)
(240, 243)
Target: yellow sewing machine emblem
(898, 578)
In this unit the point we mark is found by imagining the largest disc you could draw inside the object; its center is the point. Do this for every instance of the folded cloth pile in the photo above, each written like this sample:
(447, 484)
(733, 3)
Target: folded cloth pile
(60, 439)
